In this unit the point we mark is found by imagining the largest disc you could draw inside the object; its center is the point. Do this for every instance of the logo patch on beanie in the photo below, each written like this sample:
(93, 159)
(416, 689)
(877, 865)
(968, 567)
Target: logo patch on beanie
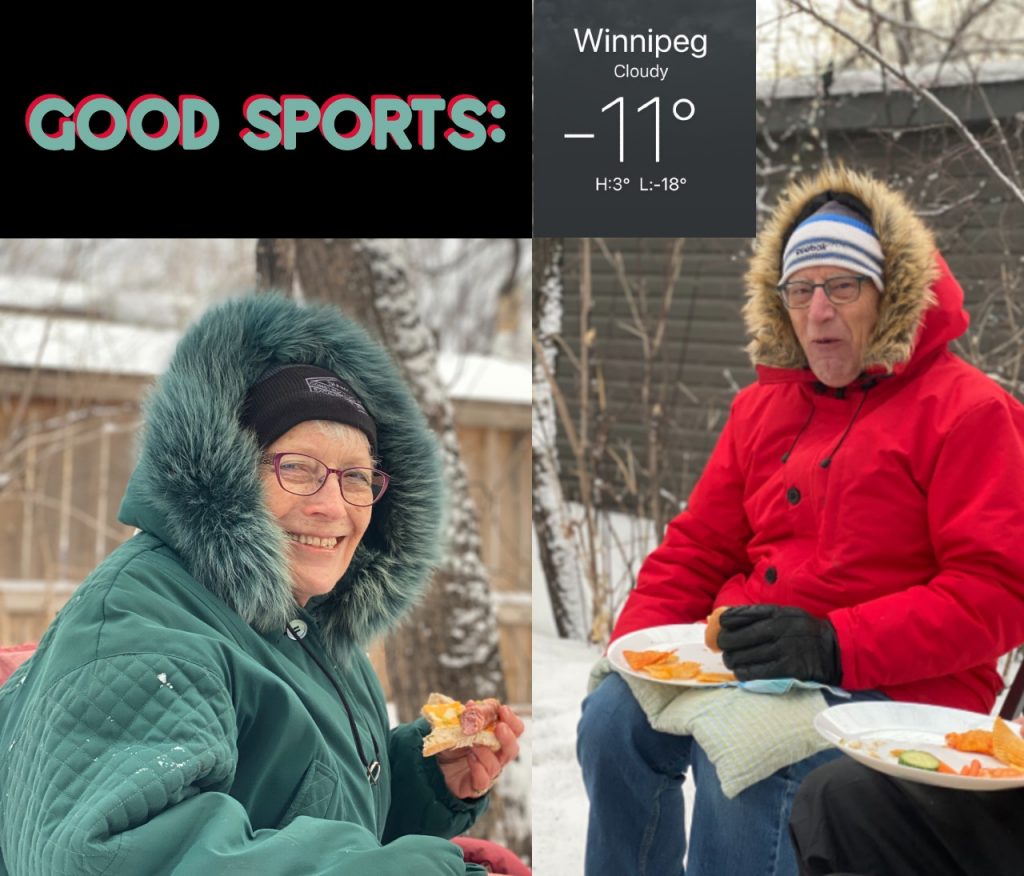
(333, 386)
(809, 248)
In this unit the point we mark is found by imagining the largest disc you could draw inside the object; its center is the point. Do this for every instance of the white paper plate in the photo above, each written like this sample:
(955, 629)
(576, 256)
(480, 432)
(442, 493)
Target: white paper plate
(867, 732)
(686, 639)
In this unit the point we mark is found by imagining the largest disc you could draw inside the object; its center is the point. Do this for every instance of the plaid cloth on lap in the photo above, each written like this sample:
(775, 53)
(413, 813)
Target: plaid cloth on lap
(746, 735)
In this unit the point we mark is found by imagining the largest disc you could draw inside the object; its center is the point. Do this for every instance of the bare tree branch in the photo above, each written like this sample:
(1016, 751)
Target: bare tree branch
(894, 22)
(970, 15)
(920, 90)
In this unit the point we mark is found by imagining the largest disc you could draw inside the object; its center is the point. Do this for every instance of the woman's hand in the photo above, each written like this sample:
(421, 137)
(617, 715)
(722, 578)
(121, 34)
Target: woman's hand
(470, 772)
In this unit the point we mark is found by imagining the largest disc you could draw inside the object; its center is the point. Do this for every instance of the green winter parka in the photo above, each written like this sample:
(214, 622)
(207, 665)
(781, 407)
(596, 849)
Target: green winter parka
(167, 722)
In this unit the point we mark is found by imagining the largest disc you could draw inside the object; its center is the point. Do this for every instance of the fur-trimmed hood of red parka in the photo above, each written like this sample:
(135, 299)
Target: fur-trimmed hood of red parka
(920, 310)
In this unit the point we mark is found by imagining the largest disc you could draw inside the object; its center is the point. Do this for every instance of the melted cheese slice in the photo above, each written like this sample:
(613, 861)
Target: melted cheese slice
(443, 714)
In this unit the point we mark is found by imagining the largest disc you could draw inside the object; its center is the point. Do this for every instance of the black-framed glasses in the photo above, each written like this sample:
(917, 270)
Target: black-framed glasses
(797, 294)
(305, 475)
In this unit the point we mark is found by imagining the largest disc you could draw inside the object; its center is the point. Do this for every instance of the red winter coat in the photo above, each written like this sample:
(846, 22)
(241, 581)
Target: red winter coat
(911, 540)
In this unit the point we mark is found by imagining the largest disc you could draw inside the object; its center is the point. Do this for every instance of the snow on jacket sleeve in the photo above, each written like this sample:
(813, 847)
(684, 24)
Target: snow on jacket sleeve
(420, 799)
(973, 609)
(118, 770)
(703, 547)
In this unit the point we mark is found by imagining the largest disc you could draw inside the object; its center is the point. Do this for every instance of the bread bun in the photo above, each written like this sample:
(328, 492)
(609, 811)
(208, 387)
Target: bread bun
(711, 633)
(444, 738)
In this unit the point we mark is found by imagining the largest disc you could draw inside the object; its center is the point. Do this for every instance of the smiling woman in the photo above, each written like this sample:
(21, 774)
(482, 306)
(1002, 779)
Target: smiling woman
(301, 415)
(205, 702)
(324, 525)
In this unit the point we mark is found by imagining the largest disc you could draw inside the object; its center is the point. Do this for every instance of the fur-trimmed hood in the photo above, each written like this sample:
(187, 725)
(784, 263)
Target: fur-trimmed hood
(196, 484)
(921, 308)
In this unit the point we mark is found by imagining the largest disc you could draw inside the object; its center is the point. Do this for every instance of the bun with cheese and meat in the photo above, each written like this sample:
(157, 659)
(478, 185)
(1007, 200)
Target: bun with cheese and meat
(454, 725)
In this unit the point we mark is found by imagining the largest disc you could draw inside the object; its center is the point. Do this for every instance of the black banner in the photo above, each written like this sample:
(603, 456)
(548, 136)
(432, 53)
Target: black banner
(380, 123)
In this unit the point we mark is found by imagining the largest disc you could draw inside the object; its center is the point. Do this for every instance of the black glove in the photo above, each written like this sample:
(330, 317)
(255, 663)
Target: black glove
(777, 641)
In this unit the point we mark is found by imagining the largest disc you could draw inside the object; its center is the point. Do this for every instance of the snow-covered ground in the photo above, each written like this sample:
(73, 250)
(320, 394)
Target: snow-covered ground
(560, 672)
(560, 669)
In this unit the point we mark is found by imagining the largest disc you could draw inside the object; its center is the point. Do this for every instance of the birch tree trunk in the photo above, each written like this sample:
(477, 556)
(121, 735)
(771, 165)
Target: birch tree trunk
(558, 559)
(451, 642)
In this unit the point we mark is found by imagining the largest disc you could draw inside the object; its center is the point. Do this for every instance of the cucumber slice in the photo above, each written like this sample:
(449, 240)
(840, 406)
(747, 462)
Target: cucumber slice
(921, 760)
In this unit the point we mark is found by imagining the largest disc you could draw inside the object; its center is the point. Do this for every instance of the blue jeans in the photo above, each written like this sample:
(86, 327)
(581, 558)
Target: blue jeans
(634, 779)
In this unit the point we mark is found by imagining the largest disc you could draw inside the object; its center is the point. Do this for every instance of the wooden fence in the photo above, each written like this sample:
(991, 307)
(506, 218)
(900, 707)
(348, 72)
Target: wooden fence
(70, 453)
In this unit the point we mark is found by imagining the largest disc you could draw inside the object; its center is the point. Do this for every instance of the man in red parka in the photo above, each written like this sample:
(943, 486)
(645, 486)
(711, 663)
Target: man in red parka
(863, 510)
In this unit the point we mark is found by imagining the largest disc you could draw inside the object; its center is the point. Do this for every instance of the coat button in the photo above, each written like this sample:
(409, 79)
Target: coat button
(793, 495)
(296, 629)
(771, 575)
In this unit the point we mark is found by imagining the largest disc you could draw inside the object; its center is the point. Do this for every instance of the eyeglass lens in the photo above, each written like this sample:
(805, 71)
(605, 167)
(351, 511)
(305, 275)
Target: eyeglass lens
(304, 475)
(838, 290)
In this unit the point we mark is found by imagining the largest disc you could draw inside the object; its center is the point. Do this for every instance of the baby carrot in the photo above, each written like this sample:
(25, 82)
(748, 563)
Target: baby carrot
(1003, 773)
(972, 769)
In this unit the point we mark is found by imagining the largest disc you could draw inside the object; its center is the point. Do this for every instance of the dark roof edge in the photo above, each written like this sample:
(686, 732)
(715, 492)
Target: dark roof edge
(870, 99)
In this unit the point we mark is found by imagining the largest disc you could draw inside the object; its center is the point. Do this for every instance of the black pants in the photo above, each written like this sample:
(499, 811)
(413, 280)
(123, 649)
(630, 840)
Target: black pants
(853, 820)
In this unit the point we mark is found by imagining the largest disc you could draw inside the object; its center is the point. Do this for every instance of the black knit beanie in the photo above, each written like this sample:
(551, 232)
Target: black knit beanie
(286, 395)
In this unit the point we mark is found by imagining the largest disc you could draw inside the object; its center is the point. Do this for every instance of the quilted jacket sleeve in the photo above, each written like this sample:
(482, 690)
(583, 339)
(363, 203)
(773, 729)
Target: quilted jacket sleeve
(420, 800)
(973, 608)
(122, 766)
(703, 547)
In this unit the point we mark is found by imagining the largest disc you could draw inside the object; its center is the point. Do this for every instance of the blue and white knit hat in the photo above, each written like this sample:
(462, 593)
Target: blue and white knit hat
(834, 235)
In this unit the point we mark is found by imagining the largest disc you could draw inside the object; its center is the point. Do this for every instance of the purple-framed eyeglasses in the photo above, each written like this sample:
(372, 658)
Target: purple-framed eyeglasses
(305, 475)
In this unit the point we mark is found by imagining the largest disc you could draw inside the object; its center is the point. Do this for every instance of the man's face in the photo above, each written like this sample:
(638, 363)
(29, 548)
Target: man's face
(834, 337)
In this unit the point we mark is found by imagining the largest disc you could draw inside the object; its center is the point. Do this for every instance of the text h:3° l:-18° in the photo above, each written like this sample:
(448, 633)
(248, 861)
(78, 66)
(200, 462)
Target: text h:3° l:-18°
(643, 184)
